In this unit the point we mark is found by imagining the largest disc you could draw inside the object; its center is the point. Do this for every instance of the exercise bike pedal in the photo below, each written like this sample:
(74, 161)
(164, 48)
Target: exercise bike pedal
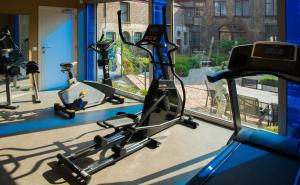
(59, 109)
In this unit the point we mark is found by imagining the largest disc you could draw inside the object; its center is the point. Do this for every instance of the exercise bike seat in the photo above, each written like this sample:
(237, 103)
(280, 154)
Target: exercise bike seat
(120, 122)
(66, 66)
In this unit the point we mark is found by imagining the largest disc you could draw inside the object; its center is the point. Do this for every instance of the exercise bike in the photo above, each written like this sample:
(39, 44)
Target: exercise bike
(81, 95)
(77, 95)
(102, 48)
(11, 60)
(163, 108)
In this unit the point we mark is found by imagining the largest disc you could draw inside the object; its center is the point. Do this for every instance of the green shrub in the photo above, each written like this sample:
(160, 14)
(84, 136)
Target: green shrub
(185, 63)
(227, 45)
(182, 70)
(269, 81)
(130, 89)
(218, 59)
(131, 61)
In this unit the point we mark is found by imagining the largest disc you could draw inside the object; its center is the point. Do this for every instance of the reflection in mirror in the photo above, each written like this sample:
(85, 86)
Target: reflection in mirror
(14, 34)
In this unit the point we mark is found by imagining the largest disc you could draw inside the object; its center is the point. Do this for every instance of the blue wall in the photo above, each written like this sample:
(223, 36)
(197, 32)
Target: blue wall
(293, 36)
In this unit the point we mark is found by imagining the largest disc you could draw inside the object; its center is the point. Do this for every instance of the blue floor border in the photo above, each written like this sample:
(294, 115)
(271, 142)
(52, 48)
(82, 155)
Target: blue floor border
(53, 122)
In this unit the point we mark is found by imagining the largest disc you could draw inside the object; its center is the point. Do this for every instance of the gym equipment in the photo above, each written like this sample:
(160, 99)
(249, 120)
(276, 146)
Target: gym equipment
(11, 59)
(77, 96)
(163, 108)
(81, 95)
(102, 48)
(255, 156)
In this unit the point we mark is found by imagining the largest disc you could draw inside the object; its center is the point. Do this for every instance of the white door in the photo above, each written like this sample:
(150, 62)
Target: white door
(57, 44)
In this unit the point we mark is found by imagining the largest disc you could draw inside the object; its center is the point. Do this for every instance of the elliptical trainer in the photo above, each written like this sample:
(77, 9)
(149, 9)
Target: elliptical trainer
(11, 59)
(163, 107)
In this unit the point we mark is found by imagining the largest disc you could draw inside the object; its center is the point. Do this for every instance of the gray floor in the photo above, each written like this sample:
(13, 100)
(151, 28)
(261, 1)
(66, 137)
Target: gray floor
(29, 159)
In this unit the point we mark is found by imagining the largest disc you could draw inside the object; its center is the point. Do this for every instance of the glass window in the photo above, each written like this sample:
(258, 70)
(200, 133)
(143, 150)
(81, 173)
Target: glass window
(271, 7)
(220, 8)
(185, 38)
(208, 51)
(128, 65)
(125, 12)
(137, 36)
(111, 35)
(242, 7)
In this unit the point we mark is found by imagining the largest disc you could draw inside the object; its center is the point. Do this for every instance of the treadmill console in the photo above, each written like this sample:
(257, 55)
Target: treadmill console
(275, 51)
(153, 33)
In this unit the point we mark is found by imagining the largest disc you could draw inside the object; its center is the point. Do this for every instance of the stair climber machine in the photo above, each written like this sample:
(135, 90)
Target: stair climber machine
(81, 95)
(163, 108)
(11, 61)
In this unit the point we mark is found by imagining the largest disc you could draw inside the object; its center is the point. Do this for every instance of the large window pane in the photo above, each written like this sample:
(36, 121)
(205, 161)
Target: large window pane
(128, 65)
(211, 40)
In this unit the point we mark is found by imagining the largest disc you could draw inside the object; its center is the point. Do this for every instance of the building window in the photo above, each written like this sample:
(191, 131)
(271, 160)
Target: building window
(195, 38)
(125, 12)
(242, 8)
(127, 36)
(111, 35)
(137, 36)
(185, 38)
(220, 8)
(271, 7)
(271, 31)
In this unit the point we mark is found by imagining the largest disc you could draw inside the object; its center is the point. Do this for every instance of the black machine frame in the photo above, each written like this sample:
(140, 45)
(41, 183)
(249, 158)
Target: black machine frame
(133, 132)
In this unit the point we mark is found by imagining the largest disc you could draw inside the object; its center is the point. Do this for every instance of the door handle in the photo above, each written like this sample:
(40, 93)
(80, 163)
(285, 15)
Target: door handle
(44, 48)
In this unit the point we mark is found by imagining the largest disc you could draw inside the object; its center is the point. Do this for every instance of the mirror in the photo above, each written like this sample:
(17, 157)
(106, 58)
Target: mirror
(16, 29)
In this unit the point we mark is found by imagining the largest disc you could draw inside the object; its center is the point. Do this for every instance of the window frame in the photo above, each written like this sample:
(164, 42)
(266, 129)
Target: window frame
(220, 3)
(135, 35)
(242, 4)
(127, 12)
(113, 34)
(274, 8)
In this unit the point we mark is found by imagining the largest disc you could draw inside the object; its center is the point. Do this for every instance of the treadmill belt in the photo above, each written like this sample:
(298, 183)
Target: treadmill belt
(248, 165)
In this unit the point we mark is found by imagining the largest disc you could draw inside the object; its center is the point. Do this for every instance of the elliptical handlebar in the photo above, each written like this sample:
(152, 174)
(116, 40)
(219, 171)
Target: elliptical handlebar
(102, 37)
(121, 31)
(102, 44)
(175, 47)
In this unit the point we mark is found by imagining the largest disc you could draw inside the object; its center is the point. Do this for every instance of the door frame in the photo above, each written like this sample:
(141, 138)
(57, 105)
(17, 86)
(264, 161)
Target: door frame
(39, 47)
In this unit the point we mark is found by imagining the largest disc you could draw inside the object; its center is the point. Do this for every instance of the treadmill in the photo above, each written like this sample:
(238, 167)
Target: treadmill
(256, 157)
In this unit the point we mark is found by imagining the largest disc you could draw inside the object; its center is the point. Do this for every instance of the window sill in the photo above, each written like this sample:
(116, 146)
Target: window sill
(242, 16)
(221, 16)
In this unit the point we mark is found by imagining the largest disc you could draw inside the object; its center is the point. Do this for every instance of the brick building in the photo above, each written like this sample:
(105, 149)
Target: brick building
(134, 18)
(229, 19)
(135, 21)
(196, 22)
